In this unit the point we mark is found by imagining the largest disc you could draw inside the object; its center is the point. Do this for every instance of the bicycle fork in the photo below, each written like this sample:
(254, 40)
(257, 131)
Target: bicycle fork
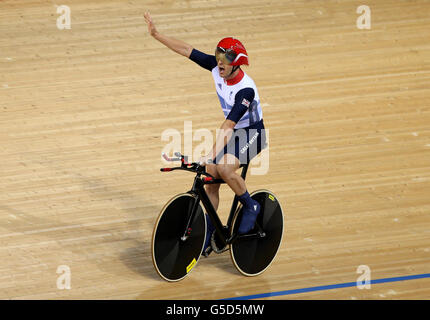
(190, 219)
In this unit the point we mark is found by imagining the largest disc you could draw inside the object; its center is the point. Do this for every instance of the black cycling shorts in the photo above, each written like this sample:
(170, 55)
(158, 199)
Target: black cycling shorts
(245, 143)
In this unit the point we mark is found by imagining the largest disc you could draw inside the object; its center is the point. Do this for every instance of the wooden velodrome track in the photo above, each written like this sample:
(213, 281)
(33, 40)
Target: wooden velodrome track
(83, 111)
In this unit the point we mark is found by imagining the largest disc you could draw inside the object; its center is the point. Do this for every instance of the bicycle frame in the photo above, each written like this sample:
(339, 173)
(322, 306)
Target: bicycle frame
(225, 232)
(198, 189)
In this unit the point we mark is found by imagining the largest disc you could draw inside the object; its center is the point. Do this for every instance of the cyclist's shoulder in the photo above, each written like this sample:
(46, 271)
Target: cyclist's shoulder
(248, 81)
(246, 87)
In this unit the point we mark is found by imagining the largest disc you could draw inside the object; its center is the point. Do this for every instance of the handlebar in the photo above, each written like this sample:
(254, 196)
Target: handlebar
(187, 166)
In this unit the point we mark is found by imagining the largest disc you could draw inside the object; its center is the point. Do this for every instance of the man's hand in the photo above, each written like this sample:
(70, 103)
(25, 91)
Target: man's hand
(176, 45)
(151, 26)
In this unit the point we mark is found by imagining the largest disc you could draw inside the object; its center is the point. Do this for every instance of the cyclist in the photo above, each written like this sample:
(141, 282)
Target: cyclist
(242, 134)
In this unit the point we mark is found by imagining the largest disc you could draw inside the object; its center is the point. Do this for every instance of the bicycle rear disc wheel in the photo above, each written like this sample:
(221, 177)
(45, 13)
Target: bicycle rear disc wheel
(253, 255)
(173, 257)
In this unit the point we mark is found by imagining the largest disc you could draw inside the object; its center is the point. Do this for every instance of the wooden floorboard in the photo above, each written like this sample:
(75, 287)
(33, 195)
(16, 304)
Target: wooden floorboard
(82, 113)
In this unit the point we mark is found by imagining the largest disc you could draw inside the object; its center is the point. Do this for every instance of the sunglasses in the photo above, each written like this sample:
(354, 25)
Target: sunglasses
(227, 56)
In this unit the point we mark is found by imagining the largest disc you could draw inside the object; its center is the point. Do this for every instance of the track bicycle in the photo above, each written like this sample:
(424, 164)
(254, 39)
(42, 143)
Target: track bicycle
(180, 231)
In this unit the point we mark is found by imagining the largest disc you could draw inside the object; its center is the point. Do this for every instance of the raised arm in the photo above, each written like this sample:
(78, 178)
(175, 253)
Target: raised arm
(176, 45)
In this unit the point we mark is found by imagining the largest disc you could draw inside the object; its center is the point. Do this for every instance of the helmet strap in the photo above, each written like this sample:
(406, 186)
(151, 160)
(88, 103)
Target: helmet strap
(233, 70)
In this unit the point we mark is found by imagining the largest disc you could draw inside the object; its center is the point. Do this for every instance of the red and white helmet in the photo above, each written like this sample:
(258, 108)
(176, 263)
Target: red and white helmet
(232, 52)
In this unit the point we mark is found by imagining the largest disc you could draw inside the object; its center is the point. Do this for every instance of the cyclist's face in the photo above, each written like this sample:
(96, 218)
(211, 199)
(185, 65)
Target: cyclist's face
(224, 69)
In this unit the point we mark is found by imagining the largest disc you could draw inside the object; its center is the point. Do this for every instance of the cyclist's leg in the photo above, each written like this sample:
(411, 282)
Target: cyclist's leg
(226, 168)
(242, 147)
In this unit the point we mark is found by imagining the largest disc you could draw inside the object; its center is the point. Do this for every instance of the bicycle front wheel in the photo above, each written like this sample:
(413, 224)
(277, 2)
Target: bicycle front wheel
(174, 256)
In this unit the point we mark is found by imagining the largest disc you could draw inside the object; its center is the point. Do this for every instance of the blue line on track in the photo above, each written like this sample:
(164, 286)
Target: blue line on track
(328, 287)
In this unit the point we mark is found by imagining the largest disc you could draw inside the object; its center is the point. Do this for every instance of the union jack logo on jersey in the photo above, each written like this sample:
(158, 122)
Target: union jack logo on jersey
(245, 102)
